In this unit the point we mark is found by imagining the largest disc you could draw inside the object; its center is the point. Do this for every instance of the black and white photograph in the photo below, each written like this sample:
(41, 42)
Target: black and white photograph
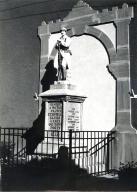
(68, 95)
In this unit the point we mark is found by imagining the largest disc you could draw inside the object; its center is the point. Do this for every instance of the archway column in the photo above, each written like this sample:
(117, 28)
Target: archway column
(120, 68)
(125, 141)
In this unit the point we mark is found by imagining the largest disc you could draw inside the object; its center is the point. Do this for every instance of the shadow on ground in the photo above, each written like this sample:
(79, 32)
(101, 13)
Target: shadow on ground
(55, 174)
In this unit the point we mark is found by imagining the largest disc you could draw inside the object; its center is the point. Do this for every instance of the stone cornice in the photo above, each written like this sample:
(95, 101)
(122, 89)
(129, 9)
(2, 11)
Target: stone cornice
(83, 13)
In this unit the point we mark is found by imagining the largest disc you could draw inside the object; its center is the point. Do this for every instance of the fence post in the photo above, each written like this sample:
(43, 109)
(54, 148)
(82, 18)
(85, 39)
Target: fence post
(107, 164)
(70, 146)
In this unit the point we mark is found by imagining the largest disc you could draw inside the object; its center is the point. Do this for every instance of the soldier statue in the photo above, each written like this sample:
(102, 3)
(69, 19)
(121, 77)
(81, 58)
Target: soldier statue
(64, 54)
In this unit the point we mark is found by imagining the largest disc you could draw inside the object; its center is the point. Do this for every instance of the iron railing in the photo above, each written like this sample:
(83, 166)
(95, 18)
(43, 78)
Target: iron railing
(11, 144)
(90, 150)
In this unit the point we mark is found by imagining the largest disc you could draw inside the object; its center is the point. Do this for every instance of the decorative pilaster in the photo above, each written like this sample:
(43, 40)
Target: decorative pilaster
(44, 34)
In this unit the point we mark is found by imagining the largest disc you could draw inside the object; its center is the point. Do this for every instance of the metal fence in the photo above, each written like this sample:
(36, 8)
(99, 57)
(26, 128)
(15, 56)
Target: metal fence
(90, 150)
(12, 145)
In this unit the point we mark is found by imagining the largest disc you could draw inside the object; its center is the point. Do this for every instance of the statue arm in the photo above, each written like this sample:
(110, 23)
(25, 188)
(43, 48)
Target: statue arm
(67, 42)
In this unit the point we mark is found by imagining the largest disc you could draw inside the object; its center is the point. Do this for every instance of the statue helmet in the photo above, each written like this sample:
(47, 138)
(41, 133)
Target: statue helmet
(63, 29)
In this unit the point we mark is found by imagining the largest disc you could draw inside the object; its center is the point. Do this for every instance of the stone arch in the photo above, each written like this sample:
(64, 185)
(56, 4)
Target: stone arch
(81, 20)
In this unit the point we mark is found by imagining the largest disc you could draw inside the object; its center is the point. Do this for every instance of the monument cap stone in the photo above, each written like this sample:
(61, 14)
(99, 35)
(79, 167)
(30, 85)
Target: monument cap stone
(62, 88)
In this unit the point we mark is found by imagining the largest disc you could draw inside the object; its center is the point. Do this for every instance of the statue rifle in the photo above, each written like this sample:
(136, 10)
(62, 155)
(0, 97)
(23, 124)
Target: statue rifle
(59, 61)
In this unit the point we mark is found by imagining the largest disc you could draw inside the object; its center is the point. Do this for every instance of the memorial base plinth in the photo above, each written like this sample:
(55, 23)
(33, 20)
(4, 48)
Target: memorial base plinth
(63, 107)
(124, 149)
(63, 111)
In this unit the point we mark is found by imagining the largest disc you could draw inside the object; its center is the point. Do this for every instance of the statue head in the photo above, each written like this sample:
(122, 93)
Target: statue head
(63, 31)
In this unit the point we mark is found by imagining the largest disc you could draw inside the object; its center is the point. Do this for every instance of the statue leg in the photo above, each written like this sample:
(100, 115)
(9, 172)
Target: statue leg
(60, 58)
(64, 71)
(67, 65)
(59, 73)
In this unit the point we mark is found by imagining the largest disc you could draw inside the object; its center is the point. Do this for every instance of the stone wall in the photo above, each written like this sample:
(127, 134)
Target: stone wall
(20, 58)
(19, 72)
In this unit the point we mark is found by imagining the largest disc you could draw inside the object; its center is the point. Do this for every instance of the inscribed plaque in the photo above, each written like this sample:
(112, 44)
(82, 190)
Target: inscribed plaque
(54, 116)
(73, 116)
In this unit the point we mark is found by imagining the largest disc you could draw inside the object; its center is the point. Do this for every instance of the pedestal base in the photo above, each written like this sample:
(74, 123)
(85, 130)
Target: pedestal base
(124, 149)
(63, 107)
(63, 112)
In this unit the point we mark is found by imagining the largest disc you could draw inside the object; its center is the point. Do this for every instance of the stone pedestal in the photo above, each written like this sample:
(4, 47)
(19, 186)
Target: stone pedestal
(63, 112)
(63, 107)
